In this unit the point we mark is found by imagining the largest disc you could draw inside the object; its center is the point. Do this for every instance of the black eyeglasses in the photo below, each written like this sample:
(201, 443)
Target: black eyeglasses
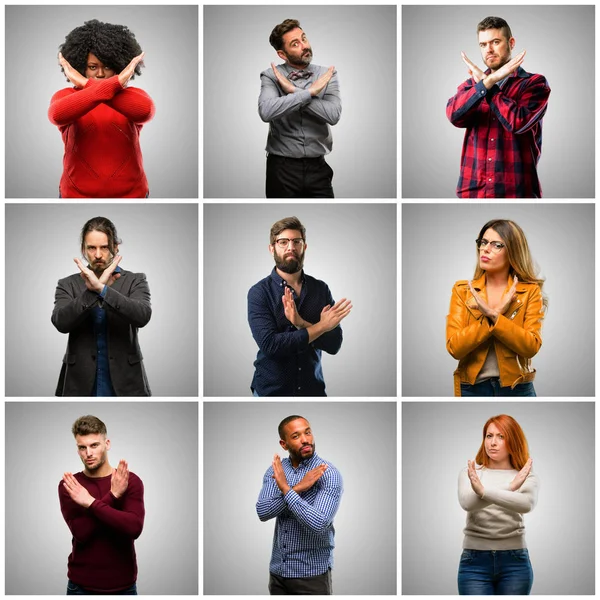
(495, 246)
(283, 242)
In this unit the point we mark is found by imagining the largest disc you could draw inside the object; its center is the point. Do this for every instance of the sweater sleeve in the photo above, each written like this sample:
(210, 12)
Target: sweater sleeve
(68, 105)
(270, 500)
(467, 498)
(134, 104)
(318, 515)
(521, 501)
(125, 514)
(80, 521)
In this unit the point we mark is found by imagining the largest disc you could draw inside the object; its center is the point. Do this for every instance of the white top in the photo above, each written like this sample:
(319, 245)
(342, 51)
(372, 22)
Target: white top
(495, 522)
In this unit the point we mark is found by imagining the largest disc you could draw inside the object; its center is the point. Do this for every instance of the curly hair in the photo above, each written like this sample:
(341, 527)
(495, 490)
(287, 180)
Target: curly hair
(114, 45)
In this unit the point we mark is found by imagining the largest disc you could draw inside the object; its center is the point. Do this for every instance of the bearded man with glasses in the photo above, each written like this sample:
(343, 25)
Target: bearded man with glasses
(293, 318)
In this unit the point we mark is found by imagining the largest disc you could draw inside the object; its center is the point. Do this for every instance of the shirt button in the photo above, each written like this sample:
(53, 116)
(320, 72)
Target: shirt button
(299, 368)
(489, 160)
(299, 387)
(490, 179)
(492, 139)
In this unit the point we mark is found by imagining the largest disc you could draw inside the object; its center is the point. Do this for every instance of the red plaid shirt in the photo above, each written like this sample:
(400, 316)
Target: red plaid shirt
(503, 141)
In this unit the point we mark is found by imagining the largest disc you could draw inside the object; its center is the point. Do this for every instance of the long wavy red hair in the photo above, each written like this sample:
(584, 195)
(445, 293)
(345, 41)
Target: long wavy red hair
(514, 439)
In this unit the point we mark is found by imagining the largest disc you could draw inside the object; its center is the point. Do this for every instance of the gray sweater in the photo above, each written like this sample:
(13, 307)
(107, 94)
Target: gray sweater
(495, 522)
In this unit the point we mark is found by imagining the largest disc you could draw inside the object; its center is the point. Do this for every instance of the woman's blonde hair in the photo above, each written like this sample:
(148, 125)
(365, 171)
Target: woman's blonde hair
(517, 248)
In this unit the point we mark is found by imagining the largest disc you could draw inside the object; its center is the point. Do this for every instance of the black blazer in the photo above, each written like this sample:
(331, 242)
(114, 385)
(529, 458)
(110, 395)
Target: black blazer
(127, 305)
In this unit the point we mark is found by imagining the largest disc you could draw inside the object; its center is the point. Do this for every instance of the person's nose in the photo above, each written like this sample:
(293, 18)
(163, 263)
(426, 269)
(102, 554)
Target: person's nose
(100, 74)
(98, 254)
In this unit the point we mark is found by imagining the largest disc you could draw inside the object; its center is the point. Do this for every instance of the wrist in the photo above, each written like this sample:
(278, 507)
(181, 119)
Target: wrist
(489, 82)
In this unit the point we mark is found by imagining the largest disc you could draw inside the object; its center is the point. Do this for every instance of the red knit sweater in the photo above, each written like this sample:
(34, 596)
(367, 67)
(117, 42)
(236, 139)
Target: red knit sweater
(103, 556)
(100, 126)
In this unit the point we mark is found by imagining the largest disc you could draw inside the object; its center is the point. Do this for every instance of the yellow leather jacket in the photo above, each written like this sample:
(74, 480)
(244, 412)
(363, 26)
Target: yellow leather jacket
(516, 335)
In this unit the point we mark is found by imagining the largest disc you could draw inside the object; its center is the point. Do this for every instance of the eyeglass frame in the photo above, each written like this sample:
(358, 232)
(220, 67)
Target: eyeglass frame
(296, 242)
(490, 243)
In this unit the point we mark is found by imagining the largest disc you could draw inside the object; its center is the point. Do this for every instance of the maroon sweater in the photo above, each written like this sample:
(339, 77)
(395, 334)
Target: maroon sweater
(100, 126)
(103, 556)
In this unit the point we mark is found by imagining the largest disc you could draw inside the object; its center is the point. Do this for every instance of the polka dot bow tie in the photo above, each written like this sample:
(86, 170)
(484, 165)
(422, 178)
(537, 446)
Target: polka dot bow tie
(294, 75)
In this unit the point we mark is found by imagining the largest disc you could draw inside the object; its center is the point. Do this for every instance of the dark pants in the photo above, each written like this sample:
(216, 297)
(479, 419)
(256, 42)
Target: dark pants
(492, 387)
(298, 177)
(495, 572)
(319, 585)
(74, 589)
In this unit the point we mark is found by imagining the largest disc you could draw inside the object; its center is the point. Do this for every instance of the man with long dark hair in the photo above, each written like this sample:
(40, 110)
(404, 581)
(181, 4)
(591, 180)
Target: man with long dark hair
(101, 308)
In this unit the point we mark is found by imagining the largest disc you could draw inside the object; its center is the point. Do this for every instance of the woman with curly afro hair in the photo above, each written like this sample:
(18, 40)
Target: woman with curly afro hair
(100, 118)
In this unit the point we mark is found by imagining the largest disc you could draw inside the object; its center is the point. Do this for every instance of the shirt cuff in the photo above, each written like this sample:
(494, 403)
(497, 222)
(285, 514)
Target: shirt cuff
(102, 294)
(481, 89)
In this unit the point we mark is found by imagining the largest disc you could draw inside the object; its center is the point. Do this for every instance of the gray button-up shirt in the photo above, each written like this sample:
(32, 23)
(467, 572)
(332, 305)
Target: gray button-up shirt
(299, 123)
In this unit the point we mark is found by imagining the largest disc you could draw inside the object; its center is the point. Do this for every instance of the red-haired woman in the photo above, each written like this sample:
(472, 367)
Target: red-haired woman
(494, 326)
(496, 490)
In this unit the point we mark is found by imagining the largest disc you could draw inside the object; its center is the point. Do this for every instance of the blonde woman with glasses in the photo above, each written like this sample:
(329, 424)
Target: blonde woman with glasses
(495, 320)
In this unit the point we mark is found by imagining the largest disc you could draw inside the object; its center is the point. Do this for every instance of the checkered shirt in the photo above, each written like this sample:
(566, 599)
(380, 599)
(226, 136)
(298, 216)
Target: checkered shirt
(304, 535)
(503, 141)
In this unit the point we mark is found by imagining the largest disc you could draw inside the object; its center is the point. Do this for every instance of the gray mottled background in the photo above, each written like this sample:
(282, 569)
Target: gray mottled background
(437, 440)
(34, 147)
(159, 440)
(159, 240)
(351, 247)
(432, 70)
(438, 248)
(360, 41)
(240, 440)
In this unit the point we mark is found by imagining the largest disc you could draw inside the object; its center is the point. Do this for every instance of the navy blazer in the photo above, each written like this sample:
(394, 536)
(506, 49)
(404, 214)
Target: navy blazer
(127, 305)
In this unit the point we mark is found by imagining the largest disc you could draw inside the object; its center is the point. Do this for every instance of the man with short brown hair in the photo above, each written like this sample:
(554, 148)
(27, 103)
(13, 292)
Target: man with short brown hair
(502, 110)
(104, 509)
(293, 318)
(300, 101)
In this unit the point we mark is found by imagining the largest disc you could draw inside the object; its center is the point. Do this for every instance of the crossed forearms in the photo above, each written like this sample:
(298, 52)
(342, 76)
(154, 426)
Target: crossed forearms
(331, 316)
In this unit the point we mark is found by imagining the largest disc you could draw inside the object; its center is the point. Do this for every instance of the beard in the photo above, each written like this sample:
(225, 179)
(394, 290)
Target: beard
(95, 466)
(303, 60)
(289, 264)
(298, 456)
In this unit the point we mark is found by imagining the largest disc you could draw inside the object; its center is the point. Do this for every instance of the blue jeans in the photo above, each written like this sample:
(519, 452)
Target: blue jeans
(74, 589)
(492, 387)
(495, 572)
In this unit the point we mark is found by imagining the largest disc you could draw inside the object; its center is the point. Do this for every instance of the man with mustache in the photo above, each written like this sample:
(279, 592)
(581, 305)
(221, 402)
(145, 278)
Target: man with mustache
(101, 308)
(300, 101)
(303, 492)
(293, 318)
(502, 110)
(104, 510)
